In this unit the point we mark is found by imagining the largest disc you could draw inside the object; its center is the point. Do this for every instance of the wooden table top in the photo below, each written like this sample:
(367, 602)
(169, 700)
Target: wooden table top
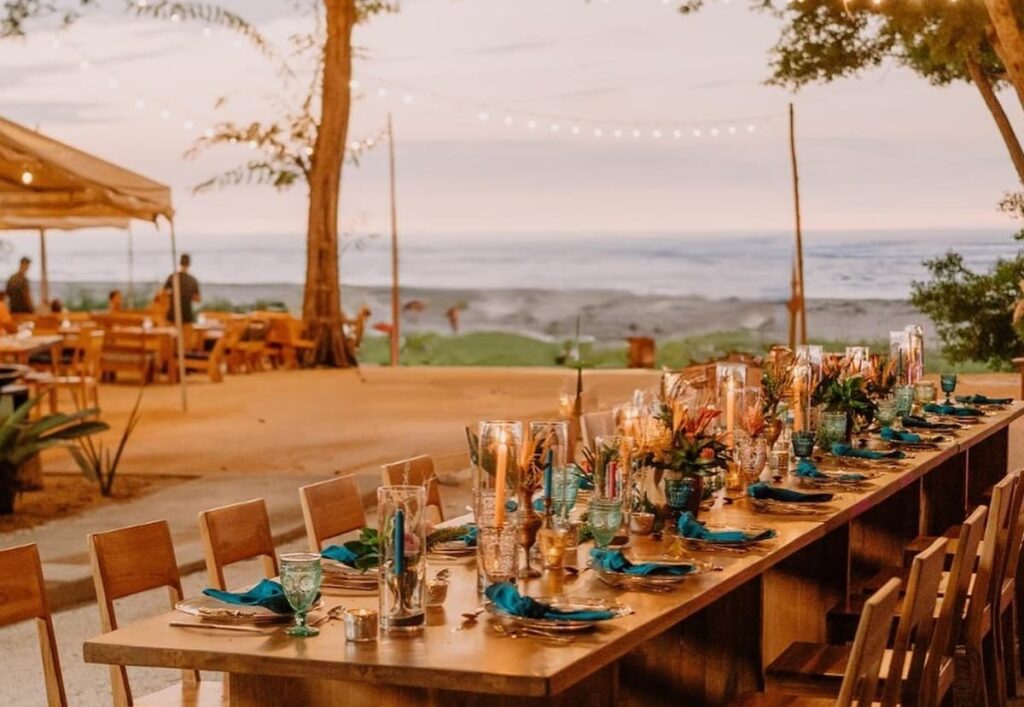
(20, 345)
(479, 659)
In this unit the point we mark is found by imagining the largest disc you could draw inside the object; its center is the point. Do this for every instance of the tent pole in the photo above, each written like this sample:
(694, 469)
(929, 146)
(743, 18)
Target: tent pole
(178, 324)
(44, 277)
(798, 303)
(395, 294)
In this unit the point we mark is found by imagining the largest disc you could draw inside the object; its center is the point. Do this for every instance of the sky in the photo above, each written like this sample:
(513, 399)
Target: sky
(884, 151)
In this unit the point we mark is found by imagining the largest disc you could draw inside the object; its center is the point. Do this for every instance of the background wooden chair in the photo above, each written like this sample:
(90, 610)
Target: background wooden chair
(331, 508)
(23, 597)
(130, 561)
(230, 534)
(417, 471)
(860, 680)
(208, 362)
(597, 424)
(82, 378)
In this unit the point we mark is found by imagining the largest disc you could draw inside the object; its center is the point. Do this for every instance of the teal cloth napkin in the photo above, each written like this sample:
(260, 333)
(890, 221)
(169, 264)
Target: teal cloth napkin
(978, 399)
(891, 435)
(764, 492)
(507, 598)
(951, 410)
(806, 469)
(615, 561)
(469, 537)
(845, 450)
(340, 553)
(267, 594)
(690, 527)
(923, 424)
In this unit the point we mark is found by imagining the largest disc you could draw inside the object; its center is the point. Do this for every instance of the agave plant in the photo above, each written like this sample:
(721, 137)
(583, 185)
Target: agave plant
(21, 439)
(95, 460)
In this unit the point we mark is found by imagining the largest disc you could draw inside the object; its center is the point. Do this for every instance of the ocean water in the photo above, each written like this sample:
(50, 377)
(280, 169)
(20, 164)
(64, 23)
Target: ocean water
(848, 265)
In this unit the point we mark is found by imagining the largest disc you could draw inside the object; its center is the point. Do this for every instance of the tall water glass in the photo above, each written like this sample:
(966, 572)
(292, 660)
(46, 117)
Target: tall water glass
(605, 517)
(948, 383)
(401, 524)
(904, 395)
(300, 580)
(885, 413)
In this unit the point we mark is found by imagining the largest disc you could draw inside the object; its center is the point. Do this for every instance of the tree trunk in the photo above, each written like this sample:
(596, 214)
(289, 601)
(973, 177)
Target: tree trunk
(1010, 44)
(321, 306)
(998, 114)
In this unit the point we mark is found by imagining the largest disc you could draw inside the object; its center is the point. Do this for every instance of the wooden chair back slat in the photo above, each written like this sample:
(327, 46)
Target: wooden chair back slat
(233, 533)
(129, 561)
(23, 597)
(331, 508)
(916, 626)
(416, 471)
(861, 678)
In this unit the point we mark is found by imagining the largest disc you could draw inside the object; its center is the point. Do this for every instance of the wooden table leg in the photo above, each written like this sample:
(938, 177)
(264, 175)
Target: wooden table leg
(944, 496)
(878, 537)
(987, 462)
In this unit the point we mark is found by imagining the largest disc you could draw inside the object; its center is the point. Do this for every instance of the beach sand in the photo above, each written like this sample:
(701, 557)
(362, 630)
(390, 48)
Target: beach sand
(606, 315)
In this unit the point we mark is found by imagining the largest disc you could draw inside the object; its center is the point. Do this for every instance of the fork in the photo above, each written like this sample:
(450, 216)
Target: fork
(520, 631)
(333, 613)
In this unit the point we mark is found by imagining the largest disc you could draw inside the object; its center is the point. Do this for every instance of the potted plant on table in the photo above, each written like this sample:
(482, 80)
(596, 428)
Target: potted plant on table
(845, 395)
(21, 439)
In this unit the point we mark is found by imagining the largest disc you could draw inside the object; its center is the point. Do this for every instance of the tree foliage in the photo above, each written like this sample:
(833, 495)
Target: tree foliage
(973, 312)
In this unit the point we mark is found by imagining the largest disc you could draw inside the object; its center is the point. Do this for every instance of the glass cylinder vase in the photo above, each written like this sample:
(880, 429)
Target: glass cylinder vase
(496, 481)
(401, 524)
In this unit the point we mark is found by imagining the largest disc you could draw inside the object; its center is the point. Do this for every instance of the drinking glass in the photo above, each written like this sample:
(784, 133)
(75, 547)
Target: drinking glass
(496, 552)
(948, 383)
(564, 490)
(612, 466)
(924, 392)
(832, 430)
(886, 412)
(553, 541)
(402, 536)
(803, 444)
(904, 395)
(751, 454)
(605, 520)
(300, 579)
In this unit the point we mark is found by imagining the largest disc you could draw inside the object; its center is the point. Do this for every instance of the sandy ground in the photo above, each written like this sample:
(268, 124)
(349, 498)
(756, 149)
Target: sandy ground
(302, 423)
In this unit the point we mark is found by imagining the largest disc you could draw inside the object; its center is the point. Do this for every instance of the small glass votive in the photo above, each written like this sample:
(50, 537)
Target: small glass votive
(885, 413)
(778, 462)
(552, 543)
(803, 444)
(437, 592)
(904, 396)
(924, 392)
(641, 523)
(361, 625)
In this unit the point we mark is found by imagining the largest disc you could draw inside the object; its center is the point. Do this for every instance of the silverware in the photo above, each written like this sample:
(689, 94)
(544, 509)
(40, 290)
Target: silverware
(332, 614)
(468, 619)
(520, 631)
(217, 627)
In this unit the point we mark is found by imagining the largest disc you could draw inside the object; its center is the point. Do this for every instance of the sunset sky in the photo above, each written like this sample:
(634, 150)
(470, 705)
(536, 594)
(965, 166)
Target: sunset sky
(884, 151)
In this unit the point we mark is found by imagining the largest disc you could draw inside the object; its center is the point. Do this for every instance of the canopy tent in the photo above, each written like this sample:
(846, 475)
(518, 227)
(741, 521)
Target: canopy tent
(45, 184)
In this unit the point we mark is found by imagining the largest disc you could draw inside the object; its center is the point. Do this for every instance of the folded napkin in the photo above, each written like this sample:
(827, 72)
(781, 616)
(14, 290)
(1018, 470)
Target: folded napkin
(340, 553)
(891, 435)
(764, 492)
(951, 410)
(615, 561)
(584, 483)
(978, 399)
(507, 598)
(845, 450)
(690, 527)
(469, 537)
(921, 423)
(267, 594)
(806, 469)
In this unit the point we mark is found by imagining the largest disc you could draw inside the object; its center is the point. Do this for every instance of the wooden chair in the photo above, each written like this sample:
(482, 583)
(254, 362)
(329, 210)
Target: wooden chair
(285, 342)
(249, 349)
(82, 378)
(208, 362)
(417, 471)
(597, 424)
(818, 669)
(860, 679)
(331, 508)
(129, 561)
(230, 534)
(127, 351)
(23, 597)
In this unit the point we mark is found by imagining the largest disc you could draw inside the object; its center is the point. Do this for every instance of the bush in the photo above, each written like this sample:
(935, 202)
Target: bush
(973, 312)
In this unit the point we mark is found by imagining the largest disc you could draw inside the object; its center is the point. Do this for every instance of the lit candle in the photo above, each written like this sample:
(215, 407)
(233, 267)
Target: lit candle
(399, 542)
(798, 410)
(730, 409)
(547, 473)
(499, 482)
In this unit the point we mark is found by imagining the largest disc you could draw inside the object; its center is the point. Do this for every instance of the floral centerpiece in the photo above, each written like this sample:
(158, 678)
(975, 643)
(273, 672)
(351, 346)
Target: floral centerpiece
(842, 391)
(776, 386)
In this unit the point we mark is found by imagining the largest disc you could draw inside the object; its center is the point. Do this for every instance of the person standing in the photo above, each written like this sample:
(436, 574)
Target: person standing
(188, 288)
(19, 292)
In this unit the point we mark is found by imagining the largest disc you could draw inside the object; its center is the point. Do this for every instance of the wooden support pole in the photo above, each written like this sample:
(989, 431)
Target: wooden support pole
(798, 305)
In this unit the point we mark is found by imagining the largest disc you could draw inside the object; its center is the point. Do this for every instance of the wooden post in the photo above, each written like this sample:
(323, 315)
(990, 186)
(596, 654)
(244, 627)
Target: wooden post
(396, 304)
(798, 306)
(44, 275)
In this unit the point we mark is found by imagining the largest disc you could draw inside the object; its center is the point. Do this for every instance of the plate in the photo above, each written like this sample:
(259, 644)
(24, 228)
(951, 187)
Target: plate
(216, 610)
(700, 544)
(453, 549)
(656, 583)
(791, 508)
(339, 576)
(566, 603)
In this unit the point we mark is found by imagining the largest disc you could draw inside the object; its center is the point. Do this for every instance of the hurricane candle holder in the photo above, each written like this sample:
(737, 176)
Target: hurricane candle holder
(496, 481)
(915, 352)
(899, 351)
(730, 383)
(403, 558)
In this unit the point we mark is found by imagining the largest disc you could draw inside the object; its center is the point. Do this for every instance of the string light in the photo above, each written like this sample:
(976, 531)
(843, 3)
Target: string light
(26, 177)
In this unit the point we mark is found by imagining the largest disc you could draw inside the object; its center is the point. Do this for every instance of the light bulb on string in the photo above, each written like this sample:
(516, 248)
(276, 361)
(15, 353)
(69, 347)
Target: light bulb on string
(656, 134)
(697, 132)
(555, 127)
(354, 146)
(617, 132)
(382, 92)
(209, 132)
(732, 129)
(353, 84)
(484, 117)
(598, 132)
(408, 99)
(575, 130)
(509, 120)
(26, 177)
(253, 144)
(677, 134)
(83, 65)
(636, 133)
(531, 124)
(369, 142)
(188, 124)
(140, 104)
(714, 132)
(175, 17)
(165, 114)
(112, 82)
(751, 128)
(207, 31)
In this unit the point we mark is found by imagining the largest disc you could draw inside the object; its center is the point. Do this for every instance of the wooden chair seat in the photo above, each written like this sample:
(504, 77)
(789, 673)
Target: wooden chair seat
(203, 694)
(818, 669)
(761, 699)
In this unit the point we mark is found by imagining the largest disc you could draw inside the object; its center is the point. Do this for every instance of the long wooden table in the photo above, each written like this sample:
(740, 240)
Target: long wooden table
(700, 645)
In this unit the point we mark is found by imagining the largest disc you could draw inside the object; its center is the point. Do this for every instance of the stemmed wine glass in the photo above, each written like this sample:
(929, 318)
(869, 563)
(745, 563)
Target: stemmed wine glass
(948, 383)
(300, 579)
